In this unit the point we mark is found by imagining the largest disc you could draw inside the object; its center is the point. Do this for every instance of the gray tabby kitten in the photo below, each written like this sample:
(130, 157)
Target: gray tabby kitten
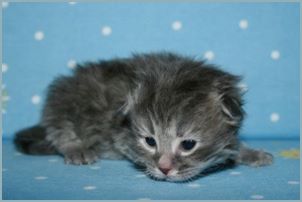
(173, 115)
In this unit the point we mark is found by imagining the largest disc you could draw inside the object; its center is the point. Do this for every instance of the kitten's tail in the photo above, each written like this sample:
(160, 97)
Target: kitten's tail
(32, 141)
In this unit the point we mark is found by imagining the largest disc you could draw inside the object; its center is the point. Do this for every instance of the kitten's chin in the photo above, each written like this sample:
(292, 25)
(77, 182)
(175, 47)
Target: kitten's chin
(183, 177)
(173, 176)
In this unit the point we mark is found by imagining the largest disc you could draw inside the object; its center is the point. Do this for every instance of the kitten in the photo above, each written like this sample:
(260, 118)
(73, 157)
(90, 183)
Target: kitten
(171, 114)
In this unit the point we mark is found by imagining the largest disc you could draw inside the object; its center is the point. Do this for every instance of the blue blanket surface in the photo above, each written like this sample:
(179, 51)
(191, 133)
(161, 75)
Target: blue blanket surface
(47, 177)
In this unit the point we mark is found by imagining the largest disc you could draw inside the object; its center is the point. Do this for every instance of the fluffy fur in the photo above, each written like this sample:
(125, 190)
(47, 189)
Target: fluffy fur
(109, 109)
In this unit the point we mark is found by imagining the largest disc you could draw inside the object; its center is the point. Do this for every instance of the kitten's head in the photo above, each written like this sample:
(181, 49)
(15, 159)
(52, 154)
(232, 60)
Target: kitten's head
(185, 124)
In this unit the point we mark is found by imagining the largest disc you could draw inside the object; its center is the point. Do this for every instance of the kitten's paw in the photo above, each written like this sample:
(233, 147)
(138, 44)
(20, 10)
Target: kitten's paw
(259, 158)
(80, 156)
(254, 158)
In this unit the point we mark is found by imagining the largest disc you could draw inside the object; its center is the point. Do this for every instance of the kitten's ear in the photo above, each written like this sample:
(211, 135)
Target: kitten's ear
(232, 109)
(122, 114)
(230, 97)
(132, 99)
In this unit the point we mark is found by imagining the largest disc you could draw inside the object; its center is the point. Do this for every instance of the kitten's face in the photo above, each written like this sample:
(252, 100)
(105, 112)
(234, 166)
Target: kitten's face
(178, 147)
(184, 124)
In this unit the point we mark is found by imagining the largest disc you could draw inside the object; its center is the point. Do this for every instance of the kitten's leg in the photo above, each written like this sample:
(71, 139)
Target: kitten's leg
(74, 150)
(252, 157)
(79, 155)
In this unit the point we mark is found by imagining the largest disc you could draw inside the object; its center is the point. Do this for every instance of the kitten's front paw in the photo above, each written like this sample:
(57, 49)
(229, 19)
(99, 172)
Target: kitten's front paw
(255, 158)
(80, 156)
(260, 159)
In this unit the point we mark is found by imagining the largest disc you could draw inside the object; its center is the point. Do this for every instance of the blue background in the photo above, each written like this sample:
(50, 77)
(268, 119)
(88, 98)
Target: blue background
(73, 31)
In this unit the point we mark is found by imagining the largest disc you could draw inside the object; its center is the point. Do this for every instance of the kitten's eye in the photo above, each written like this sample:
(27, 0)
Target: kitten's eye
(150, 141)
(188, 144)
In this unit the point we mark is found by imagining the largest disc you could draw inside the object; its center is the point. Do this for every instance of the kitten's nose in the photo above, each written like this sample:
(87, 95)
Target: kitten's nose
(165, 170)
(165, 163)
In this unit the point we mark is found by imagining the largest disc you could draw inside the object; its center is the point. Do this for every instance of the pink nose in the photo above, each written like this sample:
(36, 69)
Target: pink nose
(165, 163)
(165, 170)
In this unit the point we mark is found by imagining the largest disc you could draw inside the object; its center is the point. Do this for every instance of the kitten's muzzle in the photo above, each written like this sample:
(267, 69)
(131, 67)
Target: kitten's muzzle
(165, 170)
(165, 164)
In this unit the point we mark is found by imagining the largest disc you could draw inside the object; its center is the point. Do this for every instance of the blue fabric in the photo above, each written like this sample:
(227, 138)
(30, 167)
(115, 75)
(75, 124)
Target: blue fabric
(47, 177)
(259, 41)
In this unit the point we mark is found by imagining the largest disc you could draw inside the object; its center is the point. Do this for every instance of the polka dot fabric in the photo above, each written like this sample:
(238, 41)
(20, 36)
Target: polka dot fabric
(47, 177)
(259, 41)
(49, 39)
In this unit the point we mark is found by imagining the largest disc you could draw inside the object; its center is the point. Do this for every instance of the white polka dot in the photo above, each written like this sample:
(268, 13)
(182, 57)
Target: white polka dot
(36, 99)
(94, 167)
(275, 117)
(235, 173)
(5, 4)
(72, 2)
(140, 176)
(193, 185)
(176, 25)
(18, 154)
(243, 87)
(243, 24)
(275, 54)
(4, 169)
(71, 64)
(293, 182)
(39, 35)
(209, 55)
(5, 98)
(106, 30)
(89, 188)
(41, 178)
(257, 197)
(53, 160)
(4, 68)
